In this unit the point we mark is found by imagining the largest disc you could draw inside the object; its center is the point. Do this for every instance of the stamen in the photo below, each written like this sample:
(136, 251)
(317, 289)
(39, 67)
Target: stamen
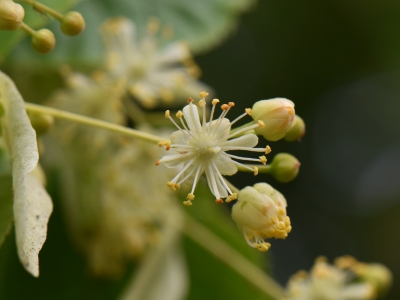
(219, 201)
(166, 144)
(167, 113)
(263, 160)
(260, 124)
(196, 179)
(179, 114)
(268, 149)
(231, 198)
(249, 111)
(157, 162)
(187, 165)
(190, 100)
(247, 128)
(238, 118)
(203, 94)
(255, 171)
(187, 203)
(244, 158)
(221, 178)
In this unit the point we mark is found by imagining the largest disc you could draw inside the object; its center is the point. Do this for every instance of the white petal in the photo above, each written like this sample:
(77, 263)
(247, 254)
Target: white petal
(223, 130)
(219, 191)
(173, 53)
(248, 140)
(191, 115)
(180, 137)
(225, 165)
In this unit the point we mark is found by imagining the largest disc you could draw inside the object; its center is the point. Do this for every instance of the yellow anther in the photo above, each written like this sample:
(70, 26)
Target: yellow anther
(179, 114)
(190, 100)
(187, 203)
(260, 123)
(224, 106)
(153, 25)
(177, 186)
(231, 104)
(172, 185)
(203, 94)
(215, 101)
(281, 211)
(268, 149)
(219, 201)
(263, 160)
(167, 114)
(202, 103)
(231, 198)
(248, 111)
(255, 171)
(166, 144)
(190, 197)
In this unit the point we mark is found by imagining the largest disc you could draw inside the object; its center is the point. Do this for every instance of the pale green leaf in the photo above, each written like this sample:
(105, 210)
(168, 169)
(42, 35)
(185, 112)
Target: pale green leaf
(32, 205)
(202, 24)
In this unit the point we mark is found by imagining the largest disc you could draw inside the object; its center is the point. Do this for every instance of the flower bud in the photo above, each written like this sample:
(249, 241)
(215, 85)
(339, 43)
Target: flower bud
(297, 130)
(277, 115)
(11, 15)
(377, 274)
(43, 41)
(41, 122)
(72, 23)
(260, 213)
(284, 167)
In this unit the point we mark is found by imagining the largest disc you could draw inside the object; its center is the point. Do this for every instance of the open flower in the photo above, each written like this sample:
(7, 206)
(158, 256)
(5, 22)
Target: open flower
(157, 72)
(330, 282)
(200, 147)
(260, 213)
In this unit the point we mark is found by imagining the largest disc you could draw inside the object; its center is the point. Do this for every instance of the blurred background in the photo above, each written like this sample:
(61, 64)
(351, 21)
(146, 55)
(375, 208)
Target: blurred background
(339, 61)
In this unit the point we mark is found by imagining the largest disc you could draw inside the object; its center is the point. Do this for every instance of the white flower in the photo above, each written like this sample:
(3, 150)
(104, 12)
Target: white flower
(260, 213)
(200, 147)
(155, 70)
(329, 282)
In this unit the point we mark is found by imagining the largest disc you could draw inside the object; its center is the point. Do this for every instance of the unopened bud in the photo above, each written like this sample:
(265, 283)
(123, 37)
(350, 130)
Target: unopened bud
(277, 115)
(377, 274)
(260, 213)
(43, 41)
(72, 23)
(284, 167)
(41, 122)
(11, 15)
(297, 130)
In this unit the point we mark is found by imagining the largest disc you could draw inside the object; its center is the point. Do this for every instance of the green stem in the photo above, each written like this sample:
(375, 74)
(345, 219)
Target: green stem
(93, 122)
(43, 8)
(261, 169)
(27, 29)
(224, 252)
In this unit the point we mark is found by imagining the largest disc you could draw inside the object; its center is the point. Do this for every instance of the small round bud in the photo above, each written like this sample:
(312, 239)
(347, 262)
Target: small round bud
(297, 130)
(72, 23)
(41, 122)
(284, 167)
(11, 15)
(43, 41)
(377, 274)
(277, 115)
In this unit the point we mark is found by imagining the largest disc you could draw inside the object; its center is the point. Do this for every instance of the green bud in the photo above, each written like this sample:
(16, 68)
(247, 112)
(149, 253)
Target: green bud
(41, 122)
(297, 130)
(72, 23)
(377, 274)
(277, 115)
(11, 15)
(284, 167)
(43, 41)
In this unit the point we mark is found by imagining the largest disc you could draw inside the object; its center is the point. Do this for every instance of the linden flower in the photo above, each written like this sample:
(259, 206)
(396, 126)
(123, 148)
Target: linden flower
(260, 213)
(154, 71)
(200, 147)
(330, 282)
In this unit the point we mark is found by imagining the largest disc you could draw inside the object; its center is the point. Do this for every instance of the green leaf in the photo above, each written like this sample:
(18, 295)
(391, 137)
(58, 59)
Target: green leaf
(6, 206)
(202, 24)
(9, 39)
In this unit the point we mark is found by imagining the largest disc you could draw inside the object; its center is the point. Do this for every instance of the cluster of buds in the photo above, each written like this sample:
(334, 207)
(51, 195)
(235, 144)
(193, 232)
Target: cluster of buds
(43, 41)
(347, 279)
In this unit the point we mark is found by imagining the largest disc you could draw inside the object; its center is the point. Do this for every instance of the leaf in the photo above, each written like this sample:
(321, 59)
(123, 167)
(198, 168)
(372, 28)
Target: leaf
(6, 204)
(34, 19)
(202, 24)
(32, 205)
